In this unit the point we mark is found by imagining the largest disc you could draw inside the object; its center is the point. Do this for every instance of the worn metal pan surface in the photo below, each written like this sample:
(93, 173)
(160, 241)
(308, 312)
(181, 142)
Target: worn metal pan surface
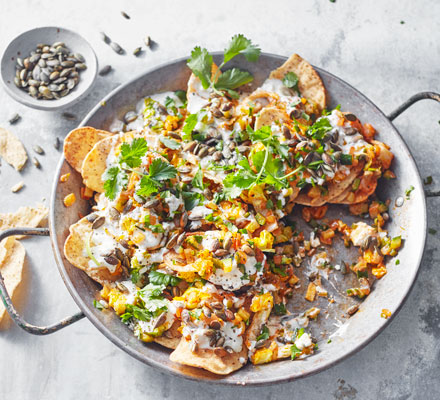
(348, 335)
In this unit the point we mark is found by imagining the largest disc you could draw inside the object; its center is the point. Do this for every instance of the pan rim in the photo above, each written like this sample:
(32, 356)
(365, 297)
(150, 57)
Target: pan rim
(86, 308)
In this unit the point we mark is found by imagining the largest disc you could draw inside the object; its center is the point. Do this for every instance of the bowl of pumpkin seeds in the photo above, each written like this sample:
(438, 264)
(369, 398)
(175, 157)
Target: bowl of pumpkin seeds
(48, 68)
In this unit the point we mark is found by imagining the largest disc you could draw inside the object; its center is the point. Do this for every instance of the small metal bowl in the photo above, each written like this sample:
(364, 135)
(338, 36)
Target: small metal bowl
(23, 44)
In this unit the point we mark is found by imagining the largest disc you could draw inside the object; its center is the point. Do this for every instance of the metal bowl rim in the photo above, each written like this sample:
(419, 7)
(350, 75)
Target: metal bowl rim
(115, 339)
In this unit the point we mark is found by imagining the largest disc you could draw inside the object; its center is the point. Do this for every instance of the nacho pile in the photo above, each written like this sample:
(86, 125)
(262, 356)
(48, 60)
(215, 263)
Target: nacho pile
(189, 233)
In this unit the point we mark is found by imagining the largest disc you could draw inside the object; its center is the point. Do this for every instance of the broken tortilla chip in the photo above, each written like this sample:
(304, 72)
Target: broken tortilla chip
(79, 142)
(208, 359)
(309, 82)
(76, 253)
(12, 257)
(12, 150)
(29, 217)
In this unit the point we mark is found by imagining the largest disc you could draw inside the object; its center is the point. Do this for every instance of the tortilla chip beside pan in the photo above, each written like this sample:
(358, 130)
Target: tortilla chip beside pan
(75, 252)
(208, 359)
(12, 150)
(29, 217)
(171, 337)
(12, 257)
(309, 82)
(79, 142)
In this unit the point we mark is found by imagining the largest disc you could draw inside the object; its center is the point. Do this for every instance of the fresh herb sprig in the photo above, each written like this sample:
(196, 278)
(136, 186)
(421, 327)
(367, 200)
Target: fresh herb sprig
(116, 177)
(201, 63)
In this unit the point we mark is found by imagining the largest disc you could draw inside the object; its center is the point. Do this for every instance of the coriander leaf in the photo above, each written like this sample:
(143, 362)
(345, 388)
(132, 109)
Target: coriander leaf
(197, 181)
(241, 45)
(191, 200)
(319, 129)
(346, 159)
(139, 313)
(114, 181)
(147, 186)
(169, 102)
(131, 154)
(294, 351)
(181, 95)
(200, 64)
(290, 80)
(159, 278)
(232, 79)
(279, 309)
(190, 123)
(264, 334)
(170, 143)
(161, 170)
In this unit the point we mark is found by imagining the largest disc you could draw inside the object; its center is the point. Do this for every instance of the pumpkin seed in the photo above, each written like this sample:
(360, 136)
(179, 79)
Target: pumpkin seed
(80, 66)
(15, 118)
(105, 70)
(213, 324)
(220, 342)
(350, 131)
(71, 84)
(221, 253)
(114, 213)
(104, 37)
(173, 240)
(33, 91)
(79, 57)
(190, 146)
(98, 222)
(147, 41)
(116, 48)
(248, 250)
(112, 260)
(160, 320)
(130, 117)
(137, 51)
(56, 143)
(353, 309)
(350, 117)
(125, 15)
(36, 162)
(38, 149)
(175, 135)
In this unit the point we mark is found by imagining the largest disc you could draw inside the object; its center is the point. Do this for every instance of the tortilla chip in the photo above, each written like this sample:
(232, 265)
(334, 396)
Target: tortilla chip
(12, 256)
(208, 359)
(268, 116)
(309, 82)
(79, 142)
(334, 190)
(171, 338)
(29, 217)
(75, 252)
(95, 163)
(359, 196)
(12, 150)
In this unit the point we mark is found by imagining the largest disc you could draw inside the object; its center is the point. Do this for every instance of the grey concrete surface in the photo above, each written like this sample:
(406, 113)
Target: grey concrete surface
(387, 49)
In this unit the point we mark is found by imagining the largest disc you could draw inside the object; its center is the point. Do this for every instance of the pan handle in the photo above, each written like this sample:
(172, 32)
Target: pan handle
(17, 318)
(412, 100)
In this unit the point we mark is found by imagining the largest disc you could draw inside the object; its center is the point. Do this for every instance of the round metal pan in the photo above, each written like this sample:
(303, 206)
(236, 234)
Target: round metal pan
(390, 292)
